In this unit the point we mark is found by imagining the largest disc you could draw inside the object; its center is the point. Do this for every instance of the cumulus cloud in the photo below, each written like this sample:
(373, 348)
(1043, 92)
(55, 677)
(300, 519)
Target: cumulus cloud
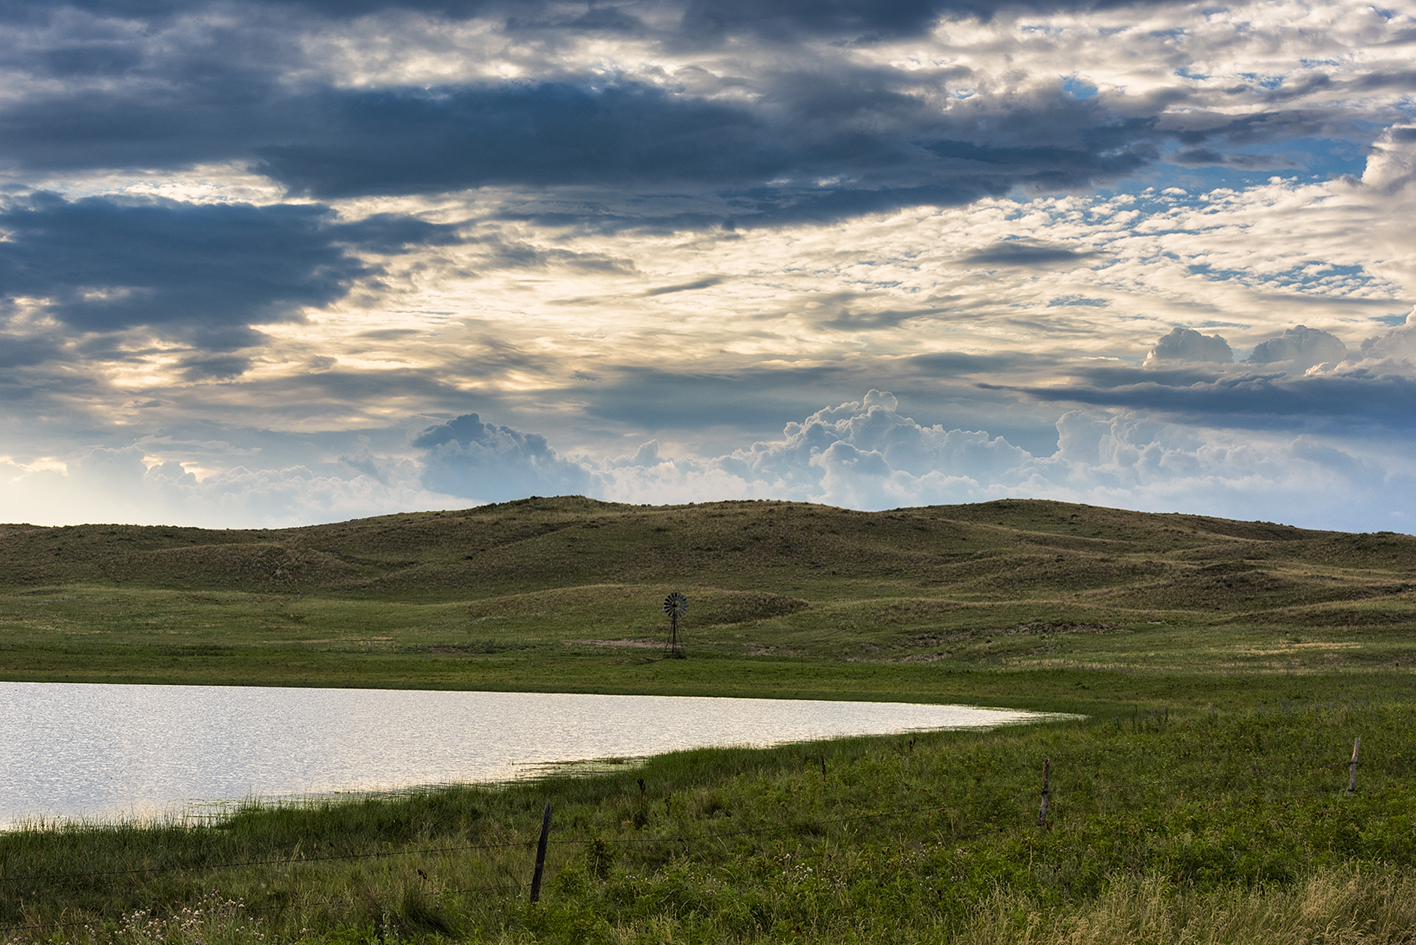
(1391, 168)
(489, 463)
(1398, 344)
(1187, 344)
(861, 454)
(1301, 346)
(865, 454)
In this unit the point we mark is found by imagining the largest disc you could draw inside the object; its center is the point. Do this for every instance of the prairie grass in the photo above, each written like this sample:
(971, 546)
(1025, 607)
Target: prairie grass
(1352, 905)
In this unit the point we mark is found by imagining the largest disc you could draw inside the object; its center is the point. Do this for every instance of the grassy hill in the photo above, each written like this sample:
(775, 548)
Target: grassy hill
(1228, 819)
(785, 598)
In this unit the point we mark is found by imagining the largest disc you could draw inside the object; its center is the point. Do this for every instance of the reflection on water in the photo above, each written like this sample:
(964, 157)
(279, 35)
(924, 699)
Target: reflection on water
(72, 750)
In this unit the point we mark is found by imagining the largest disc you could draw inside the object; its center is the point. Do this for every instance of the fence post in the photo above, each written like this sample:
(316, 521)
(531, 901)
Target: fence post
(541, 855)
(1042, 814)
(1352, 768)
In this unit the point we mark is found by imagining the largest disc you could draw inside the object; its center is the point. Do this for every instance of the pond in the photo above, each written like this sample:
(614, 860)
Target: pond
(97, 751)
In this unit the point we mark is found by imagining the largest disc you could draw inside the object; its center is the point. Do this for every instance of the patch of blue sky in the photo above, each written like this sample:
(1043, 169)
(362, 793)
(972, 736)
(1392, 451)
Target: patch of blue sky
(1264, 81)
(1311, 277)
(1324, 160)
(1069, 300)
(1078, 88)
(1215, 274)
(1391, 321)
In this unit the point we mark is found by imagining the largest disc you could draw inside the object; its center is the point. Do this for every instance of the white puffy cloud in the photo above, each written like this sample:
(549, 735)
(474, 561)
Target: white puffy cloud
(488, 463)
(1301, 346)
(1399, 344)
(863, 454)
(1187, 344)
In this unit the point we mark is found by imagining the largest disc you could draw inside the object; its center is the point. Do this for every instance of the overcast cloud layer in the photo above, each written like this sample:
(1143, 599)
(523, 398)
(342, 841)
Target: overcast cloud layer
(285, 262)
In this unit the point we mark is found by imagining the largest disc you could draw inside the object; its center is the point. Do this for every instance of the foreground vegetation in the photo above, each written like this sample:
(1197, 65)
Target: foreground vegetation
(1218, 826)
(1225, 667)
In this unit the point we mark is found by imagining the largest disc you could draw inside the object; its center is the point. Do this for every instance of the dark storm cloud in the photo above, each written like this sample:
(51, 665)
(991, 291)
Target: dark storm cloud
(705, 283)
(199, 105)
(1352, 402)
(951, 363)
(105, 265)
(1198, 127)
(1025, 253)
(21, 351)
(699, 20)
(801, 146)
(402, 142)
(808, 157)
(24, 11)
(807, 146)
(219, 368)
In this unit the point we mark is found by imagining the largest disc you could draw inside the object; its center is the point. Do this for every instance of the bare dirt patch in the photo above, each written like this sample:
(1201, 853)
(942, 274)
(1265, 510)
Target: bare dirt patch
(642, 644)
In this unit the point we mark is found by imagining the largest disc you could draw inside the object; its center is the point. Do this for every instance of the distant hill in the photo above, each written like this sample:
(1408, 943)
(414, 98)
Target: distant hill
(1007, 549)
(564, 594)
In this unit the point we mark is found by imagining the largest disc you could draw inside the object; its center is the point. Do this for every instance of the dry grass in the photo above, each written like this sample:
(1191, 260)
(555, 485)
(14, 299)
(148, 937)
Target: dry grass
(1360, 905)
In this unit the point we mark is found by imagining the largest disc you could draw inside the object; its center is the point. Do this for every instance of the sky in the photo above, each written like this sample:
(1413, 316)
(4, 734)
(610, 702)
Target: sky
(278, 263)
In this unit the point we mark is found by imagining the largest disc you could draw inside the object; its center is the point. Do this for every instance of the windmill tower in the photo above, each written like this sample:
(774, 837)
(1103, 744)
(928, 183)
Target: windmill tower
(675, 605)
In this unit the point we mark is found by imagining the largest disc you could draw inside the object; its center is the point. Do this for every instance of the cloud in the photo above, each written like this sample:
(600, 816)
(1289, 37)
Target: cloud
(865, 454)
(1025, 252)
(772, 19)
(1301, 346)
(861, 454)
(126, 485)
(549, 134)
(812, 153)
(345, 100)
(468, 458)
(1397, 344)
(109, 264)
(1391, 166)
(1187, 344)
(1356, 402)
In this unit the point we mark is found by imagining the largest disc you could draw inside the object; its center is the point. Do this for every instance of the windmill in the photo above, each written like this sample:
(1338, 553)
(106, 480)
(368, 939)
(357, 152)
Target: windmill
(675, 605)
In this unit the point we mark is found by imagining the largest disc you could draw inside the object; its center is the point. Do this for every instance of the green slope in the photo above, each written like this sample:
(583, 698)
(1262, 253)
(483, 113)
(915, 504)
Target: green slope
(786, 598)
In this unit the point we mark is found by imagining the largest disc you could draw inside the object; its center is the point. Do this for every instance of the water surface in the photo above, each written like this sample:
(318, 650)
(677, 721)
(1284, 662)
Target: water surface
(103, 751)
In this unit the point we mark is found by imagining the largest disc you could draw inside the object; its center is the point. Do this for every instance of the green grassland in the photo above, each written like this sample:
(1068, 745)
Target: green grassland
(1225, 669)
(1025, 603)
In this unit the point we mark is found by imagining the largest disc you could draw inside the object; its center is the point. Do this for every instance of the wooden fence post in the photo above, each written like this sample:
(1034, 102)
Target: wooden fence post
(1352, 768)
(541, 855)
(1042, 814)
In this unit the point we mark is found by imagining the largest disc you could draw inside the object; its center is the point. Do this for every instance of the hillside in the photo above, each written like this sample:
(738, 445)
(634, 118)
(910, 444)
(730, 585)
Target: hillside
(418, 599)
